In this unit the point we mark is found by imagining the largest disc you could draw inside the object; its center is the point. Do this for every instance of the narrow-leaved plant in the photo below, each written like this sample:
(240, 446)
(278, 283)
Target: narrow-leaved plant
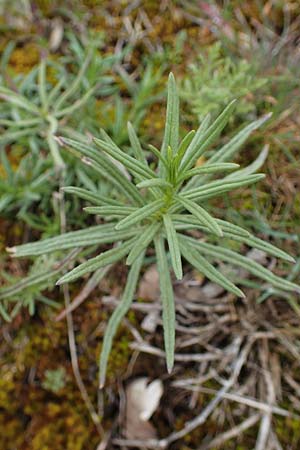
(39, 110)
(161, 205)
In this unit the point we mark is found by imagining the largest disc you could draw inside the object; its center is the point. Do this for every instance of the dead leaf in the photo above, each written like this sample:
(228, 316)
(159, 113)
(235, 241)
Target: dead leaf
(142, 399)
(258, 256)
(212, 290)
(149, 285)
(57, 34)
(150, 321)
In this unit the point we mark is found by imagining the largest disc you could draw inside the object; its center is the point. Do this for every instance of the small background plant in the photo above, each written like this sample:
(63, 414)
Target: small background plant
(219, 79)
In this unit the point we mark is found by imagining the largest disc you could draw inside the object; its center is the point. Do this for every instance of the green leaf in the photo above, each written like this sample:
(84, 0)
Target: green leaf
(172, 119)
(74, 85)
(4, 314)
(76, 105)
(167, 298)
(52, 143)
(99, 234)
(142, 213)
(229, 149)
(36, 279)
(251, 168)
(208, 168)
(224, 254)
(92, 197)
(202, 215)
(117, 316)
(226, 227)
(184, 145)
(159, 156)
(42, 84)
(218, 187)
(20, 123)
(135, 144)
(16, 135)
(203, 140)
(255, 242)
(173, 246)
(142, 242)
(18, 100)
(110, 210)
(102, 260)
(137, 168)
(207, 269)
(154, 182)
(106, 168)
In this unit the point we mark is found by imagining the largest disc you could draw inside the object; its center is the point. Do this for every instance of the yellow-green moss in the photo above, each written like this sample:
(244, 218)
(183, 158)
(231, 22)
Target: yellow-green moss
(22, 60)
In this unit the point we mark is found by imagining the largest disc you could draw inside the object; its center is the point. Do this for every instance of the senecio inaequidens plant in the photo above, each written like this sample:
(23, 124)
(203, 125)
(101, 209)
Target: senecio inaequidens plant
(159, 206)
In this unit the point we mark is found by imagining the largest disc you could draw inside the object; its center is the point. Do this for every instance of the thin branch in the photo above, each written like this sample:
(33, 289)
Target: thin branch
(234, 432)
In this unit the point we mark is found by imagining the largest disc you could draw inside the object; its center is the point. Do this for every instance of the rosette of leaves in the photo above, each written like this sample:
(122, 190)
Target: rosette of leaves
(159, 206)
(37, 109)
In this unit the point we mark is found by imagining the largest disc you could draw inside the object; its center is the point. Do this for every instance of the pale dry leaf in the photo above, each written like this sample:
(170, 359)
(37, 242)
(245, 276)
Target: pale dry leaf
(142, 399)
(258, 256)
(149, 285)
(212, 290)
(150, 321)
(57, 34)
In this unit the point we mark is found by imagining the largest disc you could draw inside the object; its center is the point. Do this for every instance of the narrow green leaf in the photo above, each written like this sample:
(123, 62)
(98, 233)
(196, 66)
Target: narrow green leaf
(102, 260)
(154, 182)
(110, 210)
(137, 168)
(106, 168)
(201, 214)
(20, 123)
(4, 314)
(142, 213)
(173, 246)
(74, 85)
(172, 119)
(229, 227)
(98, 234)
(15, 135)
(203, 140)
(56, 90)
(159, 156)
(251, 168)
(191, 222)
(117, 316)
(218, 187)
(36, 279)
(76, 105)
(224, 254)
(208, 168)
(184, 145)
(135, 144)
(42, 84)
(18, 100)
(255, 242)
(54, 149)
(142, 242)
(229, 149)
(85, 194)
(206, 268)
(167, 298)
